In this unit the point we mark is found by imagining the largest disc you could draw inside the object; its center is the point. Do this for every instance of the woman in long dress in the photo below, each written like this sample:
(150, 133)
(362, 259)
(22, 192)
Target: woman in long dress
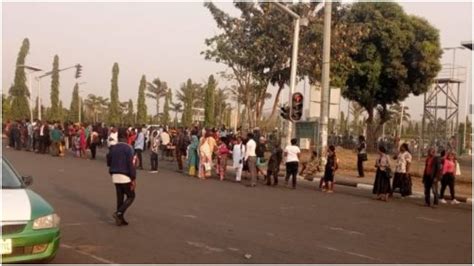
(193, 157)
(207, 144)
(238, 154)
(382, 178)
(222, 153)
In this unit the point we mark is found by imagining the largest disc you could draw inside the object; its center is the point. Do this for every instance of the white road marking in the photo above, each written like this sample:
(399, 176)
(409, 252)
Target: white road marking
(204, 246)
(79, 224)
(361, 255)
(429, 219)
(189, 216)
(233, 249)
(330, 248)
(365, 186)
(88, 254)
(346, 231)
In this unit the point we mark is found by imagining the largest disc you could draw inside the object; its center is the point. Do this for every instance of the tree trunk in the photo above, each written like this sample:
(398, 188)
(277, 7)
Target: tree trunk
(371, 132)
(275, 103)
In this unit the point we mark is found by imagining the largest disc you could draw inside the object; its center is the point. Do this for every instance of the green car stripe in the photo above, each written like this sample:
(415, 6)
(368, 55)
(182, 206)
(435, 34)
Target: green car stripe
(39, 207)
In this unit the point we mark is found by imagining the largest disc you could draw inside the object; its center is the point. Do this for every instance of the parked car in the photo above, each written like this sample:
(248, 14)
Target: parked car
(30, 227)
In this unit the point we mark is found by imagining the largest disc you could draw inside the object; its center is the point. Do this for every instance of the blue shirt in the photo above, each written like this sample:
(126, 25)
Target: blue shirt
(139, 141)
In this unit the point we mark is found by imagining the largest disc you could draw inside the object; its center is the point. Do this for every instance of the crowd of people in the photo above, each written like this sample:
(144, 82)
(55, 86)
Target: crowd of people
(199, 152)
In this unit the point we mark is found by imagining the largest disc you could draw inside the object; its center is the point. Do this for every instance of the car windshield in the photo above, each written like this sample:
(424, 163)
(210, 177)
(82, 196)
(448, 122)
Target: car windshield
(9, 177)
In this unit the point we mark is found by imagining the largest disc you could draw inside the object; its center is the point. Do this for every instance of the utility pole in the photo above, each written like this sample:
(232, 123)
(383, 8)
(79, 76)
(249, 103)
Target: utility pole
(325, 89)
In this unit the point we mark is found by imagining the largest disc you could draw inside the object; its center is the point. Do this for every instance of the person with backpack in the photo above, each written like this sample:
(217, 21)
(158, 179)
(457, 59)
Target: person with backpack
(330, 170)
(292, 155)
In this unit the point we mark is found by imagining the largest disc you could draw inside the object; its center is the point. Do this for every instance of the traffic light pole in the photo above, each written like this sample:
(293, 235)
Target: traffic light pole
(325, 90)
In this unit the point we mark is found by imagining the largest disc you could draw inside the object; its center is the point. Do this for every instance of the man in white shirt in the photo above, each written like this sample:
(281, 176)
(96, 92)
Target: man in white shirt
(292, 154)
(165, 140)
(251, 158)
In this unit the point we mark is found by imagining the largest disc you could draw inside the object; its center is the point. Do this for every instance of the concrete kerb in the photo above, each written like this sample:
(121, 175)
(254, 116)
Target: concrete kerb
(364, 186)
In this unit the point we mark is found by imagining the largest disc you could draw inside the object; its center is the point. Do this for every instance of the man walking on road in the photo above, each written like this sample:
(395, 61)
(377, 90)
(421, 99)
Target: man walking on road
(292, 155)
(121, 167)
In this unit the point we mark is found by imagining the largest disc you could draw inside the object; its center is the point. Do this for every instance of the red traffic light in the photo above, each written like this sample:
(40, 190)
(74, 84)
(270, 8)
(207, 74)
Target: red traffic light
(297, 97)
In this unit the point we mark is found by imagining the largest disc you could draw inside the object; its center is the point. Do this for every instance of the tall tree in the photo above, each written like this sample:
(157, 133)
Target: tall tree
(176, 108)
(157, 90)
(165, 118)
(141, 104)
(130, 117)
(74, 107)
(19, 91)
(55, 112)
(187, 96)
(114, 107)
(209, 119)
(6, 107)
(398, 57)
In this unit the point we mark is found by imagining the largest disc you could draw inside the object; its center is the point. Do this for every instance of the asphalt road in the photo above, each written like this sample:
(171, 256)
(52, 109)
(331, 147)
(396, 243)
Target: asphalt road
(179, 219)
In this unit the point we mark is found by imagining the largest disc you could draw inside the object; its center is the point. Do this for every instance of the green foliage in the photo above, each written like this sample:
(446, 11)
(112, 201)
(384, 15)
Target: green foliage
(176, 108)
(399, 56)
(94, 106)
(55, 111)
(6, 108)
(141, 105)
(130, 117)
(187, 95)
(209, 106)
(74, 107)
(165, 118)
(157, 90)
(114, 107)
(19, 91)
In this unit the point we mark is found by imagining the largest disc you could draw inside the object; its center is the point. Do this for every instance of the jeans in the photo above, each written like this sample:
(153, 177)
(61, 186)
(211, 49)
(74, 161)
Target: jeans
(122, 191)
(154, 161)
(430, 186)
(138, 152)
(291, 170)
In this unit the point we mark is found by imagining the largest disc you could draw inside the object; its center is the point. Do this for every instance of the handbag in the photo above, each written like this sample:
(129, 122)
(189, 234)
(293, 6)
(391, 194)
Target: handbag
(207, 166)
(458, 169)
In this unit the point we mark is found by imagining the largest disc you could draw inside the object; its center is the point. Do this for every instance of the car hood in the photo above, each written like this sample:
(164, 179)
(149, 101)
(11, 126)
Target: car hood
(16, 205)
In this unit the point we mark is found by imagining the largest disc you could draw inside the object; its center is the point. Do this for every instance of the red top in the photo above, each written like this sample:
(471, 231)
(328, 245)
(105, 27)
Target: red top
(449, 166)
(429, 165)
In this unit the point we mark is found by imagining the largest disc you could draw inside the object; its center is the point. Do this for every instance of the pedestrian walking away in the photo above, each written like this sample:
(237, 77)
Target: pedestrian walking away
(120, 160)
(382, 177)
(292, 155)
(274, 162)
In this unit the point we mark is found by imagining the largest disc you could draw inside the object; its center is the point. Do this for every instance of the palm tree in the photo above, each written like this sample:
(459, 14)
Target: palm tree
(176, 108)
(157, 89)
(356, 111)
(95, 105)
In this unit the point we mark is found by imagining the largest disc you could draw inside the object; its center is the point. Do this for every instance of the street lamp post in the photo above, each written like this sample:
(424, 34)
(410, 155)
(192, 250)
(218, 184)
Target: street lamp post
(325, 89)
(294, 61)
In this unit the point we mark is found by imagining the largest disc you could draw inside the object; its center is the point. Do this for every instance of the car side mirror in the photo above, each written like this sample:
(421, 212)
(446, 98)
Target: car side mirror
(28, 180)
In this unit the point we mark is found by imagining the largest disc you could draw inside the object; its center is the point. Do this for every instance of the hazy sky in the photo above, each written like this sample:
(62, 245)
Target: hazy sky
(156, 39)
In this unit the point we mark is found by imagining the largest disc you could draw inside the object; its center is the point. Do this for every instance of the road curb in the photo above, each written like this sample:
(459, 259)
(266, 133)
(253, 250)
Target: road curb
(415, 195)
